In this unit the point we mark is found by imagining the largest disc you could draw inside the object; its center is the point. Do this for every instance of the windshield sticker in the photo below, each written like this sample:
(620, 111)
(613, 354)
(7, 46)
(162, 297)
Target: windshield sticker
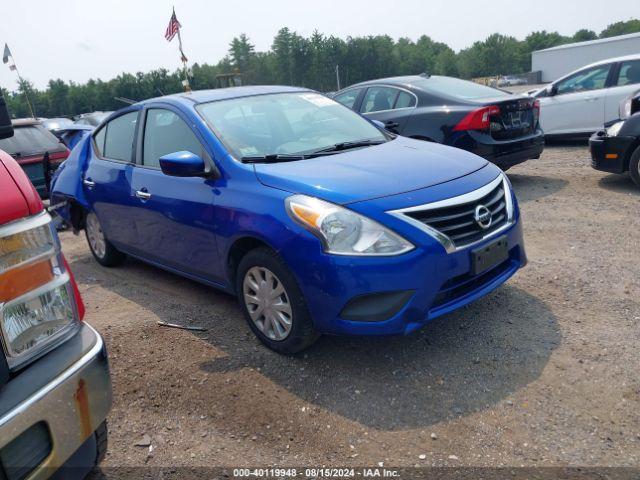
(247, 151)
(318, 100)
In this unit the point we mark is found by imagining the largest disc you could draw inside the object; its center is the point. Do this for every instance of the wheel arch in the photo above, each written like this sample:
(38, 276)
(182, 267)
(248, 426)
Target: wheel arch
(238, 249)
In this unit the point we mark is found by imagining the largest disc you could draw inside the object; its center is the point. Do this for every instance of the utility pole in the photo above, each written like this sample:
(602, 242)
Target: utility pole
(338, 76)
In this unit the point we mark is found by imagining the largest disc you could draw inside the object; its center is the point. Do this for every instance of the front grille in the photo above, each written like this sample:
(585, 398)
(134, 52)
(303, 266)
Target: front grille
(465, 284)
(455, 224)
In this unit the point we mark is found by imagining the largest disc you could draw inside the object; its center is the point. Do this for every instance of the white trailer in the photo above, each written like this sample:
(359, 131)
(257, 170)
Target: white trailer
(558, 61)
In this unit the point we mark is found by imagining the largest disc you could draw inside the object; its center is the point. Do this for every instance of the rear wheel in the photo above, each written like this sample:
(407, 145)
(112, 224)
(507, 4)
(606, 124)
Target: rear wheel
(272, 302)
(103, 251)
(634, 166)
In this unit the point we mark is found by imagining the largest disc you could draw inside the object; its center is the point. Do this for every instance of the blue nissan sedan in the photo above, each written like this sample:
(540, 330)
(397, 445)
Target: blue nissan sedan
(316, 218)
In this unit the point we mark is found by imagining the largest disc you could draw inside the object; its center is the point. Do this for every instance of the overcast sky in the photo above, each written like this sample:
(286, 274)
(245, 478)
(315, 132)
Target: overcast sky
(82, 39)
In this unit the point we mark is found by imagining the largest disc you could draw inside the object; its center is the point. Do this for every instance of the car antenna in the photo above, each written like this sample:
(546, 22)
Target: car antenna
(128, 101)
(425, 75)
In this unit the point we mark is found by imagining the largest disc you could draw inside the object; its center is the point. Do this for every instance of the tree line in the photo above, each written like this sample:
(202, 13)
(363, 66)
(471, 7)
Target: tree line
(305, 61)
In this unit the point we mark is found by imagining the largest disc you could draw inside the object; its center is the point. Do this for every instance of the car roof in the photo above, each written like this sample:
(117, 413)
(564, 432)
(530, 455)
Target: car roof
(204, 96)
(25, 122)
(595, 64)
(406, 81)
(612, 60)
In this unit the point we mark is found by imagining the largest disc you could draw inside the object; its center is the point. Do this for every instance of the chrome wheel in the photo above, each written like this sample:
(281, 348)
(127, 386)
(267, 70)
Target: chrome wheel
(95, 236)
(267, 303)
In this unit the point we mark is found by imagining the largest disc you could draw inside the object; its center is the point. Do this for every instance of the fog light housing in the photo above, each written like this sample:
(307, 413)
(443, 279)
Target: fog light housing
(375, 307)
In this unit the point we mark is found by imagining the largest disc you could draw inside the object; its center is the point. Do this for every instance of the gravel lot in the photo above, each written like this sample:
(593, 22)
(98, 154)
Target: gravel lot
(542, 372)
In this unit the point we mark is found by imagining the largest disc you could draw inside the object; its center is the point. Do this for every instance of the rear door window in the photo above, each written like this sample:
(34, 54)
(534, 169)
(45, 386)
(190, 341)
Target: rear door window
(165, 132)
(629, 73)
(30, 140)
(379, 99)
(119, 135)
(348, 99)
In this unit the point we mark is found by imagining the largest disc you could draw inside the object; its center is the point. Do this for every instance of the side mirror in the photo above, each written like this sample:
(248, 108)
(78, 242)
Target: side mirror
(379, 124)
(182, 164)
(551, 90)
(6, 129)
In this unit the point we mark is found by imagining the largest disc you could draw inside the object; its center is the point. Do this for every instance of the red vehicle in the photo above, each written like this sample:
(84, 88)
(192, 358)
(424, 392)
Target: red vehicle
(55, 388)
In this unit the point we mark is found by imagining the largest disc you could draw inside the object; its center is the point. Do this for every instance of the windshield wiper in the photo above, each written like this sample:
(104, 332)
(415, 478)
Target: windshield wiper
(339, 147)
(273, 158)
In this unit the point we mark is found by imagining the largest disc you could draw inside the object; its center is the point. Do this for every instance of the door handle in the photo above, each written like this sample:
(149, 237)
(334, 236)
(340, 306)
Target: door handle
(88, 183)
(391, 124)
(142, 195)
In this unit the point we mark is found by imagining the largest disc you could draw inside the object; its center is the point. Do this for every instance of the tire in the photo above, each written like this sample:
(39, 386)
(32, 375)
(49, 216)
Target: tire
(267, 315)
(103, 251)
(102, 441)
(634, 167)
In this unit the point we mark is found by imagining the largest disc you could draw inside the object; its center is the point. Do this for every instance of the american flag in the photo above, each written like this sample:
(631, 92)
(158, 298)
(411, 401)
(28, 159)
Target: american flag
(172, 29)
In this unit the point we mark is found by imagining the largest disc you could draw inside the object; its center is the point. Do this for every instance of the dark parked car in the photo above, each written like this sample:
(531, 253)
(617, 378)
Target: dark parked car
(37, 150)
(616, 149)
(92, 119)
(55, 124)
(492, 123)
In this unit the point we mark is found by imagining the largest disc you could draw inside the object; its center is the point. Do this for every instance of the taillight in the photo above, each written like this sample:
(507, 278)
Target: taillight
(58, 157)
(536, 112)
(39, 303)
(479, 119)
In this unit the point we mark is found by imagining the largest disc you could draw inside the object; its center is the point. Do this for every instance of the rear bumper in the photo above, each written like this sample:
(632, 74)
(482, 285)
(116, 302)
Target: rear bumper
(504, 153)
(610, 154)
(71, 403)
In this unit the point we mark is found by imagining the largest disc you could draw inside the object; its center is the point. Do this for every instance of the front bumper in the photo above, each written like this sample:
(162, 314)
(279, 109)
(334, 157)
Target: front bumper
(68, 391)
(503, 153)
(439, 282)
(610, 154)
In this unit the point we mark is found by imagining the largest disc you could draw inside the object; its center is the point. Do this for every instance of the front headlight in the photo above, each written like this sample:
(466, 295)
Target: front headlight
(38, 307)
(614, 129)
(342, 231)
(37, 318)
(625, 108)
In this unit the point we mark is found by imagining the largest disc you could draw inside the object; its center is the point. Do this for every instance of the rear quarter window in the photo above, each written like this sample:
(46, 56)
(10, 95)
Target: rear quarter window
(30, 140)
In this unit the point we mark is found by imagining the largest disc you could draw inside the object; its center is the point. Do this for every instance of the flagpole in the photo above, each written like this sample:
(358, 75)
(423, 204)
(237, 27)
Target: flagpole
(187, 87)
(23, 85)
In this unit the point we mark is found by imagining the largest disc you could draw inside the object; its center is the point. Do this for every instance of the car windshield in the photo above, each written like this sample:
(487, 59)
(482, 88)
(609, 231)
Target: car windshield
(30, 140)
(457, 88)
(285, 124)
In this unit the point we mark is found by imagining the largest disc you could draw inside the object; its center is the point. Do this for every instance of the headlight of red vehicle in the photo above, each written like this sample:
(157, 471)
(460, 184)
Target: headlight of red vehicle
(39, 307)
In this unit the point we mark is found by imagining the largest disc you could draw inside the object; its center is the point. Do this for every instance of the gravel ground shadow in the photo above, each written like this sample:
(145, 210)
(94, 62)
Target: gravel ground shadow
(456, 365)
(529, 188)
(619, 184)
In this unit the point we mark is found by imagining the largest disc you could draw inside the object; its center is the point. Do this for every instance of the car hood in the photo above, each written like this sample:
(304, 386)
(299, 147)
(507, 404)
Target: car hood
(397, 166)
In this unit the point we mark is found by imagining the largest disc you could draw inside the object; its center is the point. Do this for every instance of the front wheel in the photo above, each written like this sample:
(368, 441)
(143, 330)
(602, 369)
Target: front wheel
(103, 251)
(272, 302)
(634, 166)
